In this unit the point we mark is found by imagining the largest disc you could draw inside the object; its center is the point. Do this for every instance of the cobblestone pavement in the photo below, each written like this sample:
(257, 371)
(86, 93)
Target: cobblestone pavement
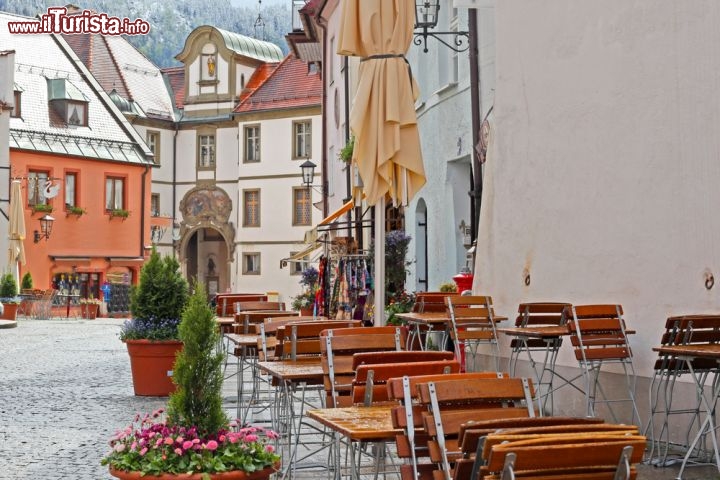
(65, 388)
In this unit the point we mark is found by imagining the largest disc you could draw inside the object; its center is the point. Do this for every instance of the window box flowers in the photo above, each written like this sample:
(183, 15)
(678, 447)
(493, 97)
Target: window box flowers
(89, 308)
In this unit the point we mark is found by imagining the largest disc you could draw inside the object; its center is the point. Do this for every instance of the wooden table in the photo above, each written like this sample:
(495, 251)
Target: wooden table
(292, 377)
(357, 424)
(689, 353)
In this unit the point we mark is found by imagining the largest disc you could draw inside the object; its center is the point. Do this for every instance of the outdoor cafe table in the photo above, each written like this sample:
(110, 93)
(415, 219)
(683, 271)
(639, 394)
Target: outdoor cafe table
(689, 353)
(357, 424)
(291, 376)
(242, 343)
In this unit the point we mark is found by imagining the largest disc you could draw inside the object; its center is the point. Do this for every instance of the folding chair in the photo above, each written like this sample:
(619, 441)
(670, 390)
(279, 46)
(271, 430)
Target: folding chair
(598, 337)
(471, 324)
(679, 330)
(426, 302)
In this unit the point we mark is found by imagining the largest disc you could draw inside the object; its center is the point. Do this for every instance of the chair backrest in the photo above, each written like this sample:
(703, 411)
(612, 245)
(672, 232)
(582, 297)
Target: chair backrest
(250, 305)
(597, 332)
(245, 321)
(337, 349)
(564, 455)
(541, 313)
(303, 338)
(225, 302)
(431, 301)
(267, 333)
(402, 356)
(370, 383)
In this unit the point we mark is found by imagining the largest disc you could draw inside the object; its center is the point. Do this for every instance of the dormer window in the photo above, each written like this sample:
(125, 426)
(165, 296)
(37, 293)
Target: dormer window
(16, 110)
(68, 105)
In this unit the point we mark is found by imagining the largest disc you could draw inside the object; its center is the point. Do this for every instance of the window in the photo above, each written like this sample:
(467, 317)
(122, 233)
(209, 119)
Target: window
(114, 193)
(302, 139)
(251, 264)
(76, 114)
(302, 215)
(70, 189)
(36, 187)
(16, 110)
(206, 151)
(251, 208)
(155, 205)
(153, 143)
(252, 143)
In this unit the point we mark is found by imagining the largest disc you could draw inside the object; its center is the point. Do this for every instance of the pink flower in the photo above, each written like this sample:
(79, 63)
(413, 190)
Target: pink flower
(179, 439)
(212, 445)
(269, 448)
(196, 441)
(133, 446)
(169, 441)
(222, 438)
(120, 447)
(251, 438)
(187, 444)
(143, 451)
(178, 451)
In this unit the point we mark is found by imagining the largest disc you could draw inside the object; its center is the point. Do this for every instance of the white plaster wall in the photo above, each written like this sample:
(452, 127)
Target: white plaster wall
(603, 174)
(223, 76)
(193, 73)
(226, 154)
(7, 71)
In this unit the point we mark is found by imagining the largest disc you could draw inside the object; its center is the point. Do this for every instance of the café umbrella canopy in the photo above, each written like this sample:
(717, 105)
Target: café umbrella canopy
(387, 151)
(16, 229)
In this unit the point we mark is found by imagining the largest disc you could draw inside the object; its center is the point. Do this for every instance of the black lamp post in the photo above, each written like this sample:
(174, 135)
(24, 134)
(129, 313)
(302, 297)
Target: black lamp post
(426, 18)
(46, 223)
(308, 174)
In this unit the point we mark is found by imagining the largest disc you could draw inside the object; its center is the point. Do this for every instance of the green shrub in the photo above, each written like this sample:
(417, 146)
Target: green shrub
(27, 282)
(8, 287)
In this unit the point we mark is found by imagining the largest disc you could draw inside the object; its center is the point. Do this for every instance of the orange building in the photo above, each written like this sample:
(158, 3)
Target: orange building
(80, 162)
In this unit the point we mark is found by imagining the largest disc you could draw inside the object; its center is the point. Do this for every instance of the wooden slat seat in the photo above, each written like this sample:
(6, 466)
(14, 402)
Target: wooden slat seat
(303, 338)
(472, 323)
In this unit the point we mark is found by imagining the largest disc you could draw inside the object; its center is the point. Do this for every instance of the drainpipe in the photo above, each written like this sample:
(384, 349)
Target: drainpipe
(174, 181)
(142, 209)
(476, 180)
(324, 182)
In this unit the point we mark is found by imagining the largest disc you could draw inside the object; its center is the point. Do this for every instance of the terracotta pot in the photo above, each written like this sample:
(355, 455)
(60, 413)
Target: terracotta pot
(152, 365)
(89, 311)
(237, 475)
(9, 311)
(306, 312)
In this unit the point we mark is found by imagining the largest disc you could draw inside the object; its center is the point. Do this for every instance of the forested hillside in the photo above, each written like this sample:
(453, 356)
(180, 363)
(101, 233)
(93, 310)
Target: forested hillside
(172, 20)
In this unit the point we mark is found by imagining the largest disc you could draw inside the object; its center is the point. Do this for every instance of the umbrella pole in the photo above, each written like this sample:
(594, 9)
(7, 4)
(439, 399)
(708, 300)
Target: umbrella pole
(379, 307)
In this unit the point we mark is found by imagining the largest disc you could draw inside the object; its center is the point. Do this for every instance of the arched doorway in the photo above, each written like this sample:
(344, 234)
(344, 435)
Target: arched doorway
(206, 246)
(421, 253)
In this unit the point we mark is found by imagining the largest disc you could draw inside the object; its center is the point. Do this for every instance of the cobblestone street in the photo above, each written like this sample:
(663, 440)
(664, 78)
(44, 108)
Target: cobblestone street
(65, 388)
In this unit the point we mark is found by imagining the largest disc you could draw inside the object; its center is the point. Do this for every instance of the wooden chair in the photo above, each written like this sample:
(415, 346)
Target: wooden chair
(679, 330)
(471, 324)
(539, 314)
(303, 338)
(225, 302)
(369, 387)
(427, 302)
(565, 456)
(267, 334)
(420, 430)
(245, 322)
(337, 349)
(598, 337)
(250, 305)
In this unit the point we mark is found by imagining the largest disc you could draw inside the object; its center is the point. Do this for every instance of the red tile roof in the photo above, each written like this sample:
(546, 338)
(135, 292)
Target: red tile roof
(176, 77)
(289, 85)
(261, 74)
(94, 52)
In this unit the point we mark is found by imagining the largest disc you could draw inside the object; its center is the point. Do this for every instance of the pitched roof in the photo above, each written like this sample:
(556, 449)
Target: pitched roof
(41, 63)
(258, 77)
(289, 85)
(250, 47)
(176, 79)
(119, 66)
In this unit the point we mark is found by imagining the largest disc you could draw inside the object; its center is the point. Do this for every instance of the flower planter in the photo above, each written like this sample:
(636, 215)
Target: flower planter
(89, 311)
(236, 475)
(152, 366)
(9, 311)
(306, 312)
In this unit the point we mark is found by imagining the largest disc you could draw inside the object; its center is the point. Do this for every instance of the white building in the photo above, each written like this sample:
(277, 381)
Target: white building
(7, 103)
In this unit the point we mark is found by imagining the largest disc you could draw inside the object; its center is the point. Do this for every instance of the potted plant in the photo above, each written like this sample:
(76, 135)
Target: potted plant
(195, 440)
(42, 207)
(75, 210)
(305, 302)
(9, 296)
(448, 287)
(27, 282)
(89, 308)
(120, 213)
(399, 303)
(346, 153)
(151, 335)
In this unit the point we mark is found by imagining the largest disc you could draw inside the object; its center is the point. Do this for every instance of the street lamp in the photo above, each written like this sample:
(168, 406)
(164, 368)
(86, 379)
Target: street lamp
(426, 18)
(308, 174)
(46, 224)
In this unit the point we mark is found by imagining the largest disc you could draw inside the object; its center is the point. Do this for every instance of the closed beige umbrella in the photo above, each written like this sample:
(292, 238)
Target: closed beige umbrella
(387, 145)
(16, 229)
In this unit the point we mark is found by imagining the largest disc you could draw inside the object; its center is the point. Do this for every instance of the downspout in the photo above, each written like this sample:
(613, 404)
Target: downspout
(174, 182)
(324, 182)
(476, 180)
(348, 166)
(142, 209)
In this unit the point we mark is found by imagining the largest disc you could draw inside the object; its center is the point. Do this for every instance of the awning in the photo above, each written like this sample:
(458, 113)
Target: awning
(126, 261)
(311, 236)
(299, 256)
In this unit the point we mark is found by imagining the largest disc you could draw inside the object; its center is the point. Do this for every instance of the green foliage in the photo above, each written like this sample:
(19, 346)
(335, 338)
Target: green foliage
(162, 291)
(8, 287)
(346, 152)
(27, 282)
(198, 370)
(449, 287)
(402, 302)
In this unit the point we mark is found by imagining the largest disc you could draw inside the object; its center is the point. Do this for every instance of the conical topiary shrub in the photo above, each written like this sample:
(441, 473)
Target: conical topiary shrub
(198, 370)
